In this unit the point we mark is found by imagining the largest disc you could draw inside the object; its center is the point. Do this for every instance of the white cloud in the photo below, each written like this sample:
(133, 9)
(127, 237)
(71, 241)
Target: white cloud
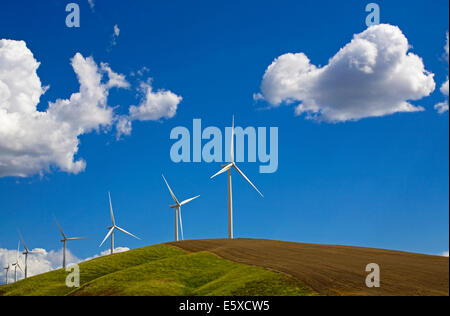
(442, 107)
(446, 48)
(142, 71)
(116, 30)
(91, 4)
(154, 106)
(373, 75)
(445, 254)
(123, 126)
(32, 141)
(115, 35)
(43, 262)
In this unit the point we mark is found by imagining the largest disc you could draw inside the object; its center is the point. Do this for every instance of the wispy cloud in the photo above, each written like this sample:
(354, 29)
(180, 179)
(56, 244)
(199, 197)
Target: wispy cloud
(115, 35)
(91, 4)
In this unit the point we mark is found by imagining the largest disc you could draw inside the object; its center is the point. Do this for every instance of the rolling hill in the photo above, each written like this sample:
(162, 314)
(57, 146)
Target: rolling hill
(161, 270)
(245, 267)
(336, 270)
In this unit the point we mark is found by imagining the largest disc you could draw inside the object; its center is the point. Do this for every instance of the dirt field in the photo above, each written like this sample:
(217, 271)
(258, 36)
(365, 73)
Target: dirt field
(336, 270)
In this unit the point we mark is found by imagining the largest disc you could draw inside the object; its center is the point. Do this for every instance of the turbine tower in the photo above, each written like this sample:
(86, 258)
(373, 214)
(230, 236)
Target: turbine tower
(228, 168)
(17, 264)
(7, 272)
(65, 240)
(26, 253)
(177, 208)
(114, 227)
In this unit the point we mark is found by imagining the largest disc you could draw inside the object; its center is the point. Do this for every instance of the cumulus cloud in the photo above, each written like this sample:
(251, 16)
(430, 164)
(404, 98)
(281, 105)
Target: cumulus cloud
(442, 107)
(155, 105)
(32, 141)
(445, 254)
(373, 75)
(42, 262)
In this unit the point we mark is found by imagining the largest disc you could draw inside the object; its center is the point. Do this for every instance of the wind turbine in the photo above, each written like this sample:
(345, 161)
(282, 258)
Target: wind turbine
(26, 253)
(177, 208)
(228, 168)
(114, 227)
(65, 240)
(17, 264)
(7, 272)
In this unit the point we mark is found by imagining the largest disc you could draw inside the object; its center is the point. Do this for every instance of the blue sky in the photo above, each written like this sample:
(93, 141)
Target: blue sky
(376, 182)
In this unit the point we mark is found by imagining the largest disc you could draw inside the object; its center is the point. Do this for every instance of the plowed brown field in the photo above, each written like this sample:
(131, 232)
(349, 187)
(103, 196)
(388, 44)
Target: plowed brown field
(336, 270)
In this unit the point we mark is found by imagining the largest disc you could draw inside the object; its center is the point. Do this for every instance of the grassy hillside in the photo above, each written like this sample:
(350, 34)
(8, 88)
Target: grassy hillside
(336, 270)
(246, 267)
(162, 270)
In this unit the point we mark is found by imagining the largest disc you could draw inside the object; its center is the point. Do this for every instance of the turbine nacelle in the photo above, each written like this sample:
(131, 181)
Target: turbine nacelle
(26, 253)
(32, 252)
(65, 240)
(17, 265)
(233, 165)
(227, 168)
(64, 235)
(177, 207)
(114, 227)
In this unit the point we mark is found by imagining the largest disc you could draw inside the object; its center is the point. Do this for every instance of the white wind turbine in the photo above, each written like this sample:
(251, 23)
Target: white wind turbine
(17, 264)
(64, 241)
(228, 168)
(177, 208)
(114, 227)
(26, 253)
(7, 272)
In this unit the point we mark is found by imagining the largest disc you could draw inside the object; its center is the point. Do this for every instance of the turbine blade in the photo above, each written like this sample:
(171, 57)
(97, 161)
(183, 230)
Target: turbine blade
(181, 224)
(23, 242)
(225, 168)
(76, 238)
(60, 229)
(35, 252)
(232, 141)
(109, 233)
(245, 177)
(171, 193)
(18, 251)
(188, 200)
(124, 231)
(110, 207)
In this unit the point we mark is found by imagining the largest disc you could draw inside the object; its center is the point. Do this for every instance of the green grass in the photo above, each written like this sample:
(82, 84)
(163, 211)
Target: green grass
(161, 270)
